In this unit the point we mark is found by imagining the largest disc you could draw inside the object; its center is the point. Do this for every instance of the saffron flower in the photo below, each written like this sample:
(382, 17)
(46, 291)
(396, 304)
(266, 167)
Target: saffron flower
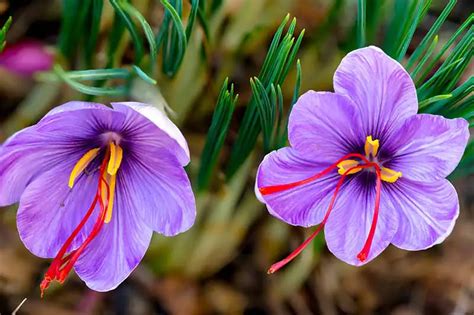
(364, 165)
(93, 183)
(26, 58)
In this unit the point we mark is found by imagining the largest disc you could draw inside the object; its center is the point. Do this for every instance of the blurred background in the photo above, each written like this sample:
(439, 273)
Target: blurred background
(219, 266)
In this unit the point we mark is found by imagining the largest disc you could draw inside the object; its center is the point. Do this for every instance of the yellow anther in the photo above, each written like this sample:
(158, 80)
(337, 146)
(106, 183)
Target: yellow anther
(81, 165)
(110, 204)
(371, 146)
(116, 154)
(389, 175)
(348, 164)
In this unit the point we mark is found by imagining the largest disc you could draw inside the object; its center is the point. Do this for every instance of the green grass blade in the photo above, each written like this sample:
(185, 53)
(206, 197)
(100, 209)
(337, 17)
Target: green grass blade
(216, 135)
(429, 37)
(408, 36)
(91, 39)
(3, 33)
(90, 90)
(150, 36)
(361, 22)
(424, 59)
(173, 50)
(137, 42)
(192, 17)
(433, 99)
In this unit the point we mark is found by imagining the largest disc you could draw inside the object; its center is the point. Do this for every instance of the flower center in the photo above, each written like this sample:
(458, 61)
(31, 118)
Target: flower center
(104, 198)
(349, 164)
(371, 149)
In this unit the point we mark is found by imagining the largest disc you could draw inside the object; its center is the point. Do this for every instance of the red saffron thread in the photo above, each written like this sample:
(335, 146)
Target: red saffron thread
(62, 265)
(277, 188)
(364, 253)
(278, 265)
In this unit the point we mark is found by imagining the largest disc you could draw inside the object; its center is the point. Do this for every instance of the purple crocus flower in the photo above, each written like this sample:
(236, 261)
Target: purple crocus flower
(26, 58)
(366, 145)
(93, 183)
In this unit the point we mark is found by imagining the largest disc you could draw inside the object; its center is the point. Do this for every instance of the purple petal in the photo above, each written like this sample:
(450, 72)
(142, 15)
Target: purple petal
(349, 224)
(74, 106)
(380, 87)
(157, 129)
(160, 190)
(304, 205)
(428, 147)
(49, 210)
(324, 126)
(119, 247)
(65, 133)
(427, 212)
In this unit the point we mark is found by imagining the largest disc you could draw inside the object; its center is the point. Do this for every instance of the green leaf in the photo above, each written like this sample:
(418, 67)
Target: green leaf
(373, 17)
(90, 90)
(90, 75)
(408, 35)
(143, 75)
(448, 44)
(447, 76)
(423, 60)
(407, 15)
(430, 36)
(92, 35)
(172, 38)
(433, 99)
(203, 20)
(3, 33)
(192, 17)
(459, 105)
(137, 42)
(216, 135)
(118, 30)
(72, 16)
(281, 55)
(361, 26)
(150, 36)
(296, 92)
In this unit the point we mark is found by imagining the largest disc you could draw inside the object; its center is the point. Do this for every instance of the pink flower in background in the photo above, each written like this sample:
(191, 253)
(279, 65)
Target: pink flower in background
(26, 58)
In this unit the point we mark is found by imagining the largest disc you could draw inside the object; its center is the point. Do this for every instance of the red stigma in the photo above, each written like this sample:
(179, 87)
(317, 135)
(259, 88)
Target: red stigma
(364, 253)
(277, 188)
(362, 256)
(64, 261)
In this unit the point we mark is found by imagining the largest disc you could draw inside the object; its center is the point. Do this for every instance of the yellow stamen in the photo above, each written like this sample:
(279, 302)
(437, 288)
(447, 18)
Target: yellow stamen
(347, 164)
(390, 175)
(116, 154)
(110, 205)
(371, 146)
(82, 164)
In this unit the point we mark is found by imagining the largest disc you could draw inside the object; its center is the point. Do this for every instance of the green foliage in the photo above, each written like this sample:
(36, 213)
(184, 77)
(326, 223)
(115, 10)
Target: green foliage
(74, 16)
(72, 78)
(119, 7)
(3, 33)
(430, 36)
(279, 59)
(216, 134)
(407, 15)
(437, 76)
(93, 32)
(131, 11)
(361, 23)
(173, 37)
